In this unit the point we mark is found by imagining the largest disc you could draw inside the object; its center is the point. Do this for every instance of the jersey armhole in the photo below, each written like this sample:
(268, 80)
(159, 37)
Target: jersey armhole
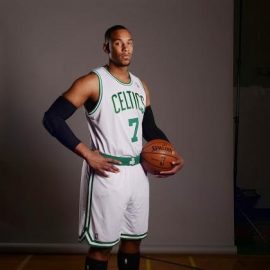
(139, 80)
(100, 94)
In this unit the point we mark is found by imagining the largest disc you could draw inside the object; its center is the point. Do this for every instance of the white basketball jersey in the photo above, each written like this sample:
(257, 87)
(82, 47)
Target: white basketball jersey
(115, 124)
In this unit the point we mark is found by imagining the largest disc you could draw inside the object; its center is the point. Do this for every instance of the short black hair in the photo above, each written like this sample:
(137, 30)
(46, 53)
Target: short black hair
(110, 30)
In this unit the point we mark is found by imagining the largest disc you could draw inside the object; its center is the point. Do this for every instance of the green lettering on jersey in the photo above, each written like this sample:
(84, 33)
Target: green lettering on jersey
(130, 98)
(127, 100)
(143, 106)
(134, 97)
(121, 101)
(138, 98)
(114, 98)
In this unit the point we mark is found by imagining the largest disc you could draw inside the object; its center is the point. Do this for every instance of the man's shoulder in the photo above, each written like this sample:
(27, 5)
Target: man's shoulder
(98, 71)
(88, 78)
(87, 82)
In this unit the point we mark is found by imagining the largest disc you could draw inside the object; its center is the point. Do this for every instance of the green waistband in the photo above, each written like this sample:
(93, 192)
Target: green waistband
(125, 161)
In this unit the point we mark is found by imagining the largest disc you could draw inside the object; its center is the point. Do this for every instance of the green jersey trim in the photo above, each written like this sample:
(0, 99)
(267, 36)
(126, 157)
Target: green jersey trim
(123, 83)
(100, 87)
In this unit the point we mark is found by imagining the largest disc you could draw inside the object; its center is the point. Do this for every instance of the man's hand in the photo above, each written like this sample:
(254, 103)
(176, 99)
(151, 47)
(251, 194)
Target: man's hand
(96, 161)
(177, 165)
(101, 164)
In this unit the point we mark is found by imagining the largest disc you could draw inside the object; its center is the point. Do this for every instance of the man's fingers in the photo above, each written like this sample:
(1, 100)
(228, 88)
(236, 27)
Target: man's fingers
(110, 168)
(166, 173)
(177, 165)
(114, 161)
(177, 162)
(102, 173)
(171, 172)
(161, 176)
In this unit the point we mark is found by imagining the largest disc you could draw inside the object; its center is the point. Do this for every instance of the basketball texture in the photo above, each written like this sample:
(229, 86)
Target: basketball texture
(157, 155)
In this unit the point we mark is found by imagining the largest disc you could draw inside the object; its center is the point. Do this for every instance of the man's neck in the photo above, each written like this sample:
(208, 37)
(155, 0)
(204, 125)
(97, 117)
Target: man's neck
(120, 73)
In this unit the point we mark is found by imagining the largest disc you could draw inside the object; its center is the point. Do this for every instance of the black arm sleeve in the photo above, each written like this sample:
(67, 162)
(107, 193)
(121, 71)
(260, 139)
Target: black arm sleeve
(54, 122)
(150, 129)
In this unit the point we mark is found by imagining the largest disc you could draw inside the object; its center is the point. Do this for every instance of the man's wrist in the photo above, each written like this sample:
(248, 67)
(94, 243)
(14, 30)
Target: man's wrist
(82, 150)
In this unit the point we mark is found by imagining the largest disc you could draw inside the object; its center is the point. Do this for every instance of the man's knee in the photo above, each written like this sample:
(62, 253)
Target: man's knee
(130, 246)
(101, 254)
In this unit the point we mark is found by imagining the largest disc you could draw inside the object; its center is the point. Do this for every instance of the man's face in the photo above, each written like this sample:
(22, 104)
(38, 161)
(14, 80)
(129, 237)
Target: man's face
(120, 48)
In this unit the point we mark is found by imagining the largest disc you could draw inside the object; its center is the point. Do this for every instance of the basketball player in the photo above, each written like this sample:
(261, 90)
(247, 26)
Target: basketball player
(114, 195)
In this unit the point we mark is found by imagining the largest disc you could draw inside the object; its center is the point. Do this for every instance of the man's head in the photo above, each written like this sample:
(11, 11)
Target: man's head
(118, 45)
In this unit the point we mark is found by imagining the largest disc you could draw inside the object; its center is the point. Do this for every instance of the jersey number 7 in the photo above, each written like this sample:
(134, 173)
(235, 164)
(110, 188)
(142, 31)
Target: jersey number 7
(134, 122)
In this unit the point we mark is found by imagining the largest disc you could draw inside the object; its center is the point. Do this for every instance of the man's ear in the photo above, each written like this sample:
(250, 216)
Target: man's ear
(106, 47)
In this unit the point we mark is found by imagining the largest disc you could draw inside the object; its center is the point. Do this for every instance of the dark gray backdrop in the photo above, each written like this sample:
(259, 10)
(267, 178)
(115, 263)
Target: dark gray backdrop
(183, 49)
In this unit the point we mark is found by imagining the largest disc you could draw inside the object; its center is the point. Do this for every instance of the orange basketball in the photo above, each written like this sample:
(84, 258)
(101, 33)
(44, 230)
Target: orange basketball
(157, 155)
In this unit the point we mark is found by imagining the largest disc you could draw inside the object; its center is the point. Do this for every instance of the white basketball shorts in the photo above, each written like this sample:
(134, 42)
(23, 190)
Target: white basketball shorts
(114, 207)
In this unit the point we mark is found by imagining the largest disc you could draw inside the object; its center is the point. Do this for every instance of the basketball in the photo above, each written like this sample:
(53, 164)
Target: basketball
(157, 155)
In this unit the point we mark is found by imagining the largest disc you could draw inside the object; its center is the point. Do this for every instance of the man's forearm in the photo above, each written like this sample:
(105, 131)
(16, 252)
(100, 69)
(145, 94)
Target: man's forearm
(54, 122)
(150, 129)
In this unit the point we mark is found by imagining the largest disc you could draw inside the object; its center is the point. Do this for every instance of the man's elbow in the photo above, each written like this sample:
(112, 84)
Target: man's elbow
(48, 122)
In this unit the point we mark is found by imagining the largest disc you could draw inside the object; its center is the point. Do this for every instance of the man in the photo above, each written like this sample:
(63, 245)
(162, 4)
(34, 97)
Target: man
(114, 198)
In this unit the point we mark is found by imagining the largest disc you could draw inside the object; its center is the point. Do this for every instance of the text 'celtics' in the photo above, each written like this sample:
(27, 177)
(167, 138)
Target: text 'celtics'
(127, 100)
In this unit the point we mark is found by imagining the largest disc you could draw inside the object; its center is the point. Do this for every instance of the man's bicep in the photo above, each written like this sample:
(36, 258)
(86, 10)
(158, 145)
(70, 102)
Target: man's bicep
(83, 89)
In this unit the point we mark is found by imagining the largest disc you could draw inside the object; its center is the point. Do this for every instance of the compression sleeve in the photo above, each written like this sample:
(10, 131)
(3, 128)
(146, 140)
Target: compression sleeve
(150, 129)
(54, 122)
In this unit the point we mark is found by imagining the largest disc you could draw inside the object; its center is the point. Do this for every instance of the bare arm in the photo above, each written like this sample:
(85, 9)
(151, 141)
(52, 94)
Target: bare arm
(84, 88)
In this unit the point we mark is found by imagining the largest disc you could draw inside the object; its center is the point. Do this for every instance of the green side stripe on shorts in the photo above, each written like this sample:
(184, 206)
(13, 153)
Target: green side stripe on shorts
(87, 227)
(90, 176)
(125, 161)
(90, 193)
